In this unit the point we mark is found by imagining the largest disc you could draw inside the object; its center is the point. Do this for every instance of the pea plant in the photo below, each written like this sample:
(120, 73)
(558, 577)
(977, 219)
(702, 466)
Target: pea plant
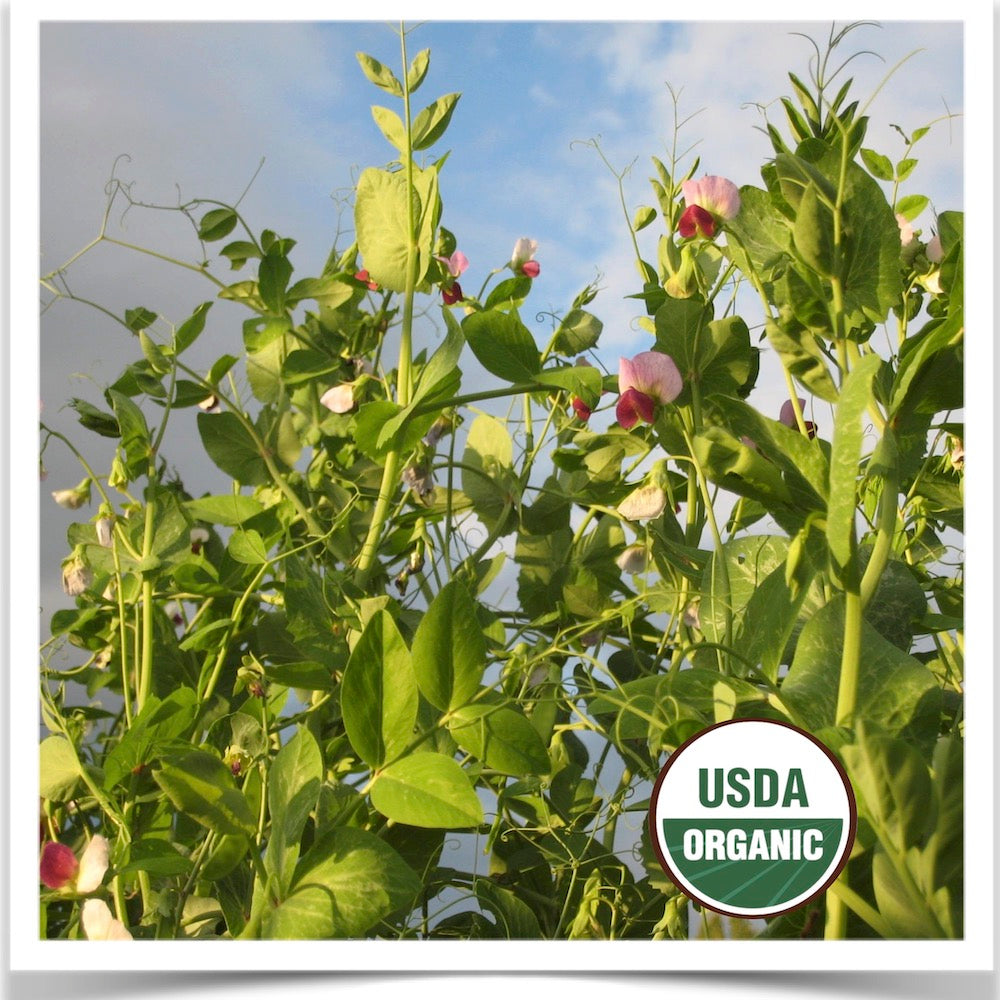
(418, 620)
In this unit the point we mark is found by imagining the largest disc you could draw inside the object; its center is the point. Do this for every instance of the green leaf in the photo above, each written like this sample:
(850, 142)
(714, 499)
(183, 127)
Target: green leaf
(380, 75)
(769, 622)
(229, 509)
(503, 345)
(911, 205)
(427, 789)
(813, 232)
(135, 437)
(391, 127)
(378, 694)
(217, 224)
(202, 787)
(139, 318)
(578, 380)
(449, 649)
(431, 123)
(239, 252)
(643, 216)
(895, 691)
(508, 293)
(418, 70)
(502, 738)
(94, 419)
(848, 434)
(515, 918)
(58, 768)
(343, 887)
(803, 358)
(294, 781)
(230, 446)
(578, 332)
(220, 368)
(247, 547)
(487, 477)
(878, 165)
(155, 857)
(153, 353)
(904, 168)
(892, 785)
(380, 219)
(272, 280)
(758, 238)
(189, 331)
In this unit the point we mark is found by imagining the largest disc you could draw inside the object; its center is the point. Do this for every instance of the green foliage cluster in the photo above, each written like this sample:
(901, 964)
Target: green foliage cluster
(300, 689)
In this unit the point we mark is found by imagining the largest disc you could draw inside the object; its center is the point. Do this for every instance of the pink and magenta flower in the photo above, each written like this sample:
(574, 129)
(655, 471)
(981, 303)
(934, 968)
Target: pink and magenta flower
(456, 264)
(787, 417)
(522, 260)
(645, 381)
(60, 869)
(708, 202)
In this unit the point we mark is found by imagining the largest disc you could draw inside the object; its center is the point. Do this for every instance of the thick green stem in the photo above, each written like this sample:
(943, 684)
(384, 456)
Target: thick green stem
(888, 514)
(146, 663)
(850, 661)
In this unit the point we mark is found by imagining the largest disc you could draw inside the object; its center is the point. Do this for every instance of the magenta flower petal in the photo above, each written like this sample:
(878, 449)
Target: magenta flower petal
(653, 374)
(696, 219)
(634, 406)
(452, 295)
(58, 865)
(581, 409)
(531, 268)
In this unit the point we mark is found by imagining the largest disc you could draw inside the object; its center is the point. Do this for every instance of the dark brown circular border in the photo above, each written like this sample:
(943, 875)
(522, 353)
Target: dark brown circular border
(655, 840)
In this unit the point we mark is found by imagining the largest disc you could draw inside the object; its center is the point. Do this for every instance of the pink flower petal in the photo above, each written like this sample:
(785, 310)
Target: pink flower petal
(654, 374)
(339, 399)
(717, 195)
(581, 409)
(787, 415)
(531, 268)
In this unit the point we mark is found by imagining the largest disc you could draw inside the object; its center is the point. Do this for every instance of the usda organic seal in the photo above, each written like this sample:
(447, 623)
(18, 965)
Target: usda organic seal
(752, 817)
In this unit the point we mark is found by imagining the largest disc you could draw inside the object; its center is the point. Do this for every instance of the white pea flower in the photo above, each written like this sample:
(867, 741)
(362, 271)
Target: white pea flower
(633, 560)
(76, 576)
(210, 404)
(643, 503)
(100, 925)
(104, 528)
(339, 399)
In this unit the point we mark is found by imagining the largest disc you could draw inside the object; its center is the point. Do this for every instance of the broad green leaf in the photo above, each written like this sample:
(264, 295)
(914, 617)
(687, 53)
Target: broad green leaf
(158, 723)
(391, 126)
(381, 213)
(154, 354)
(139, 318)
(580, 380)
(878, 165)
(911, 205)
(201, 786)
(58, 768)
(431, 123)
(427, 789)
(272, 280)
(343, 887)
(895, 691)
(306, 365)
(514, 917)
(229, 509)
(188, 332)
(803, 358)
(217, 224)
(135, 437)
(848, 434)
(94, 419)
(449, 649)
(378, 693)
(487, 478)
(579, 331)
(502, 738)
(380, 74)
(813, 232)
(758, 238)
(239, 252)
(906, 912)
(231, 448)
(643, 216)
(892, 785)
(247, 547)
(293, 786)
(769, 622)
(503, 345)
(508, 294)
(418, 69)
(155, 857)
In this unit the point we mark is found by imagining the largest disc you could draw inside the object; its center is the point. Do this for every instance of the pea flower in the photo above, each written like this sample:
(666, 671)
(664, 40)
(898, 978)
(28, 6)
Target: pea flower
(339, 399)
(419, 479)
(75, 498)
(456, 264)
(643, 503)
(787, 417)
(934, 250)
(363, 276)
(522, 260)
(198, 537)
(632, 560)
(645, 380)
(59, 867)
(172, 610)
(210, 404)
(99, 924)
(76, 575)
(906, 233)
(709, 201)
(104, 528)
